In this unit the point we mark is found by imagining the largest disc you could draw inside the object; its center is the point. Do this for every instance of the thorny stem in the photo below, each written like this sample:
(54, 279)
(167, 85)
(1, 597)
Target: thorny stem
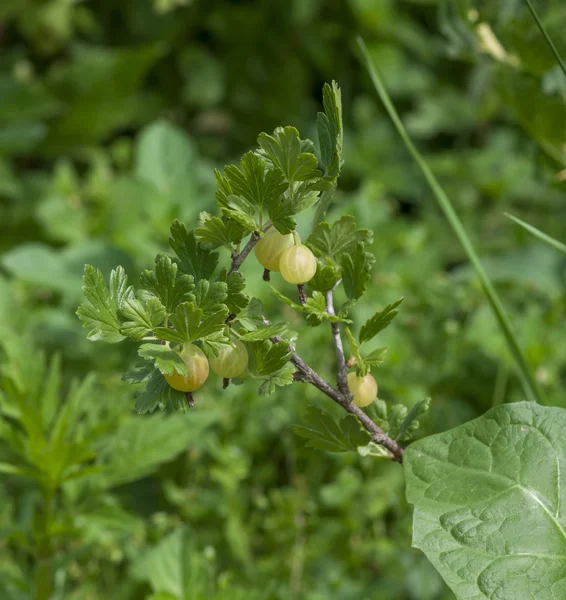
(306, 374)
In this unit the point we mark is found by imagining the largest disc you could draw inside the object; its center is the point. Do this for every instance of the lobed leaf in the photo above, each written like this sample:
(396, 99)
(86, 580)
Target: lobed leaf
(194, 259)
(379, 321)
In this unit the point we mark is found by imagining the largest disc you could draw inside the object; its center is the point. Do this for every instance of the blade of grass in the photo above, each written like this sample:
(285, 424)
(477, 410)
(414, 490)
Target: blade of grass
(546, 36)
(538, 233)
(529, 384)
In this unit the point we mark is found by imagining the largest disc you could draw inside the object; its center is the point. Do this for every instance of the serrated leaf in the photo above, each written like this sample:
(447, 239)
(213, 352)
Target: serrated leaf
(210, 296)
(341, 238)
(324, 433)
(282, 378)
(172, 288)
(329, 127)
(194, 259)
(144, 316)
(282, 210)
(379, 321)
(253, 182)
(165, 359)
(264, 332)
(411, 421)
(236, 300)
(213, 232)
(192, 324)
(140, 373)
(375, 357)
(356, 272)
(100, 313)
(269, 358)
(314, 307)
(489, 503)
(234, 207)
(284, 149)
(214, 343)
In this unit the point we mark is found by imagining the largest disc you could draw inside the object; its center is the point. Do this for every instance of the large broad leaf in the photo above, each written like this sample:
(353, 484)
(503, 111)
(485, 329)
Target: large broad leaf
(489, 503)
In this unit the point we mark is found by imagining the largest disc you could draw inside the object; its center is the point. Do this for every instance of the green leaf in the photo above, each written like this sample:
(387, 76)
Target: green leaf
(411, 421)
(356, 271)
(285, 152)
(236, 300)
(264, 332)
(156, 391)
(375, 357)
(165, 359)
(214, 231)
(341, 238)
(140, 373)
(324, 433)
(100, 313)
(314, 308)
(282, 210)
(269, 358)
(144, 316)
(325, 278)
(138, 446)
(379, 321)
(529, 383)
(192, 324)
(252, 316)
(489, 503)
(193, 258)
(166, 284)
(210, 296)
(253, 182)
(329, 126)
(280, 379)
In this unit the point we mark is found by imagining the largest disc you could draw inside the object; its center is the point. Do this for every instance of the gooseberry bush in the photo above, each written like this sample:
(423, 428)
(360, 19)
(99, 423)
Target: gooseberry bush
(480, 490)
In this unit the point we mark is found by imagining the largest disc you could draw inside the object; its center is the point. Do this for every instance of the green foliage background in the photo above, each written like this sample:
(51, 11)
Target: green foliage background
(112, 119)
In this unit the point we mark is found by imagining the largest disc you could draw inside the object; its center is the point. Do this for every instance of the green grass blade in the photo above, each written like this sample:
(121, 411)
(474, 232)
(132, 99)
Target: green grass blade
(529, 383)
(539, 234)
(546, 36)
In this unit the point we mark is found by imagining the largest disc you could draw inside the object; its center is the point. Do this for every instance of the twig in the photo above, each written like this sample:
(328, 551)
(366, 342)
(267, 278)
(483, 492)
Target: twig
(238, 259)
(308, 375)
(378, 436)
(341, 375)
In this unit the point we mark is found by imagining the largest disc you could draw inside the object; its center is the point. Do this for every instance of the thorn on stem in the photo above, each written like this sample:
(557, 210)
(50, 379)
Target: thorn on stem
(266, 275)
(225, 382)
(190, 400)
(302, 293)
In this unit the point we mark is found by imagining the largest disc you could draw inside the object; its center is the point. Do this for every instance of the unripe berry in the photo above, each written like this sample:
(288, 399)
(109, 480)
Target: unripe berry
(197, 370)
(231, 361)
(269, 249)
(297, 264)
(364, 389)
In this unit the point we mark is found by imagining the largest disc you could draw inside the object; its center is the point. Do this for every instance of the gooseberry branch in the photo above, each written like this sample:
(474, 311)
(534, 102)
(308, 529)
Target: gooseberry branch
(306, 374)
